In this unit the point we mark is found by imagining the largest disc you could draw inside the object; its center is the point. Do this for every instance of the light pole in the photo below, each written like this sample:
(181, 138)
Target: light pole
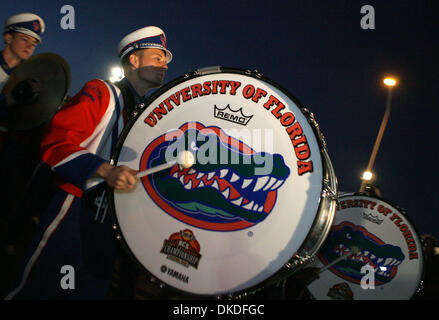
(116, 74)
(367, 175)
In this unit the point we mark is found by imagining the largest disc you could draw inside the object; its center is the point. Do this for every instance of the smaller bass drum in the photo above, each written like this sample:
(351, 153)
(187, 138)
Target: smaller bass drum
(384, 258)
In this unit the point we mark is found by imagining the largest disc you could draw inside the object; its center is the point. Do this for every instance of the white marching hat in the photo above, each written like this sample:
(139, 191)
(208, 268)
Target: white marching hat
(145, 38)
(27, 23)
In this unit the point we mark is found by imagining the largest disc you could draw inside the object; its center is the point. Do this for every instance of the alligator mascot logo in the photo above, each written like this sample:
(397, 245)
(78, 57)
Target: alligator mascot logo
(383, 258)
(220, 195)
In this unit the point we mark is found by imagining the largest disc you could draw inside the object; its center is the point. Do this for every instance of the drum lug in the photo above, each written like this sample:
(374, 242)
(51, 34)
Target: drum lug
(328, 191)
(208, 70)
(313, 122)
(420, 287)
(118, 236)
(298, 260)
(231, 296)
(255, 73)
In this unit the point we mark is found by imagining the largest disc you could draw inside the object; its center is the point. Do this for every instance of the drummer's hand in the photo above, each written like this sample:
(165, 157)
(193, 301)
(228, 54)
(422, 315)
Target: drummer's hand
(119, 178)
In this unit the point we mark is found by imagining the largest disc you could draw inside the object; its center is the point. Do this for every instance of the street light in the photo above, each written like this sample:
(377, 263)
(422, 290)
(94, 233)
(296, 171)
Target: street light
(390, 82)
(367, 176)
(116, 74)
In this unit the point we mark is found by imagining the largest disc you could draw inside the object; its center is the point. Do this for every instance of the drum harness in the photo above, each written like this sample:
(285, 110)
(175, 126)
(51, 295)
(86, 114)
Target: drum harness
(97, 199)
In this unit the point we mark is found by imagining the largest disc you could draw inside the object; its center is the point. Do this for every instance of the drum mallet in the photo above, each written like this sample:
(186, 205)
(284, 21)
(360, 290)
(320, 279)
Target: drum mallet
(185, 159)
(354, 251)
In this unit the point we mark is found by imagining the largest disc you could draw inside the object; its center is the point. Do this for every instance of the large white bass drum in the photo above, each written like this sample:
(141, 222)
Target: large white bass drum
(259, 199)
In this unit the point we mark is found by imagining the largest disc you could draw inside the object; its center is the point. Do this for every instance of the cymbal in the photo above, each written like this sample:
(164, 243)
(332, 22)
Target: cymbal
(36, 90)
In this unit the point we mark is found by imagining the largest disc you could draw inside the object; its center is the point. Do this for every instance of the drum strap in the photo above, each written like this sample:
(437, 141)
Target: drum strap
(96, 199)
(128, 98)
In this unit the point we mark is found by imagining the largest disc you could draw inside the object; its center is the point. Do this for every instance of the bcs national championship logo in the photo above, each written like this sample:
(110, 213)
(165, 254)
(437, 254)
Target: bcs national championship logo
(183, 248)
(219, 195)
(383, 258)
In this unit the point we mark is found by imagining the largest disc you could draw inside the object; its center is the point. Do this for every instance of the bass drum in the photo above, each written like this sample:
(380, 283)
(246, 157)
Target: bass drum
(259, 199)
(384, 258)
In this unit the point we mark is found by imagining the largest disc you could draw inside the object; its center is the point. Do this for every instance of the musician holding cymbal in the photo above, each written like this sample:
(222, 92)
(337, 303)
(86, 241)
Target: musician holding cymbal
(22, 34)
(75, 230)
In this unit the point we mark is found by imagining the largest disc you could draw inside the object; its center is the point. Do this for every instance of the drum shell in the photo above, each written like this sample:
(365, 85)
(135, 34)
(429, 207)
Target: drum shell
(385, 226)
(324, 204)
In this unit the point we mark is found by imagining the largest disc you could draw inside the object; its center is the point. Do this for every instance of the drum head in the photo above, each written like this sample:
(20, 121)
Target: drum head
(388, 263)
(247, 204)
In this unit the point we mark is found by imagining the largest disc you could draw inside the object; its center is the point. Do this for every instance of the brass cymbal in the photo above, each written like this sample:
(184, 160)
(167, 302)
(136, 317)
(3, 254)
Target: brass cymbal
(36, 90)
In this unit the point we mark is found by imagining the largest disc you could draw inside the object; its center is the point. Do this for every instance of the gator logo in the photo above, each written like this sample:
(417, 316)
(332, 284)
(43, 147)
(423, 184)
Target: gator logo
(220, 196)
(384, 258)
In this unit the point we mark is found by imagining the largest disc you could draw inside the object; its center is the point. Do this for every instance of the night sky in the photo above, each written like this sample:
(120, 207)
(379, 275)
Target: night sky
(317, 50)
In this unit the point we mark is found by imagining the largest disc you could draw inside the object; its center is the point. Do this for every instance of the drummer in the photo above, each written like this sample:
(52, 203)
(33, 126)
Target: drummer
(73, 253)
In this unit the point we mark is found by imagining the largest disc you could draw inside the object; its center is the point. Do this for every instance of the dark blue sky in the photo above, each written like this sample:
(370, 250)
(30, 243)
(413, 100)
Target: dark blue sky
(315, 49)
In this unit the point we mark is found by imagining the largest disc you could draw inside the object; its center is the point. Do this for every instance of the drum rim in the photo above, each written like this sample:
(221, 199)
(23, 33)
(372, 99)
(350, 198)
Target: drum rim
(328, 173)
(401, 210)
